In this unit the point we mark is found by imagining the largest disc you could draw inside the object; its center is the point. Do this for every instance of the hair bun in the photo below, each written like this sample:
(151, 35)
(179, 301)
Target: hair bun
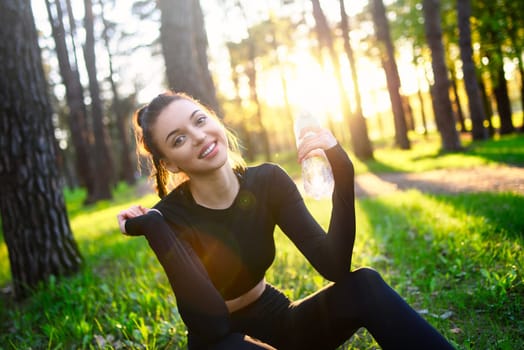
(140, 115)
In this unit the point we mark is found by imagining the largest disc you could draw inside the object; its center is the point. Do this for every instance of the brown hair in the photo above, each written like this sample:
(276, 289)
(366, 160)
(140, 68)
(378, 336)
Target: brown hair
(146, 116)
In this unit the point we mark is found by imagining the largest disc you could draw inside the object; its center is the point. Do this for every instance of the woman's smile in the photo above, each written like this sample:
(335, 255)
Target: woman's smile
(208, 151)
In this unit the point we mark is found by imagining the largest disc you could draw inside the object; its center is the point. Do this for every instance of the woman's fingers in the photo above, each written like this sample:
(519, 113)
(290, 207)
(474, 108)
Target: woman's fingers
(131, 212)
(313, 138)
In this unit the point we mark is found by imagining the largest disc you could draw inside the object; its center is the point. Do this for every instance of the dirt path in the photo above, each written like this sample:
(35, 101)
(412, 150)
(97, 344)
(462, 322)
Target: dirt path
(478, 179)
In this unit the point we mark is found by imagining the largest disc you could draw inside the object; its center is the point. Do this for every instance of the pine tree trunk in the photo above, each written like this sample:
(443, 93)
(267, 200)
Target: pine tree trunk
(390, 68)
(127, 170)
(201, 45)
(360, 137)
(503, 105)
(476, 112)
(184, 46)
(75, 100)
(102, 155)
(440, 89)
(34, 219)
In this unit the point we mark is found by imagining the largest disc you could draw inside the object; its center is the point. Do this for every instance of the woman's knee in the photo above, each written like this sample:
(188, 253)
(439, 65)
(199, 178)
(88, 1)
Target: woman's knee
(364, 276)
(368, 274)
(360, 284)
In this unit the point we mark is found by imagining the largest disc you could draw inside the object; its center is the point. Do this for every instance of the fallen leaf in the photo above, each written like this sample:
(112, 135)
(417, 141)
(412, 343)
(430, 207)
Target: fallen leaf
(446, 315)
(455, 330)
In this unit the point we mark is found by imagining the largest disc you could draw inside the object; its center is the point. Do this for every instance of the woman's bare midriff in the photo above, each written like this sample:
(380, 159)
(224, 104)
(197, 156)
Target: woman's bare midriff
(246, 298)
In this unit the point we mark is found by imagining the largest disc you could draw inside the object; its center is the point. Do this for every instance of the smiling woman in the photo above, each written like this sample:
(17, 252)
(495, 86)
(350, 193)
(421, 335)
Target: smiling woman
(214, 236)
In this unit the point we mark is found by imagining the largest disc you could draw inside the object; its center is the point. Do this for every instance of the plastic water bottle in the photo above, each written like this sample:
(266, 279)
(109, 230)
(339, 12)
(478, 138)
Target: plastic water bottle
(317, 175)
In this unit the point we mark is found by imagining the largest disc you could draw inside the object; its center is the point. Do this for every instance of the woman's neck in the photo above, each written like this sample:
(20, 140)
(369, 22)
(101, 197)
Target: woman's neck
(217, 190)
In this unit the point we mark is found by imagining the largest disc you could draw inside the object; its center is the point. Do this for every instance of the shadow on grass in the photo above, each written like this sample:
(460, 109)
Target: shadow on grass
(508, 149)
(459, 252)
(503, 150)
(503, 211)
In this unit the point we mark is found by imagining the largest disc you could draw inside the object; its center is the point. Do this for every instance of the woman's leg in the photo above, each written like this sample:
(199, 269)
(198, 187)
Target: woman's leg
(329, 317)
(233, 341)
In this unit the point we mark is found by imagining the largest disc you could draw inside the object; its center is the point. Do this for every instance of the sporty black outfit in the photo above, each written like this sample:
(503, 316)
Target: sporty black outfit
(214, 255)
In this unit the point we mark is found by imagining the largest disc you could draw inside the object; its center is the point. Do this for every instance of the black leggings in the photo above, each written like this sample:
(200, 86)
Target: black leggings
(323, 320)
(328, 318)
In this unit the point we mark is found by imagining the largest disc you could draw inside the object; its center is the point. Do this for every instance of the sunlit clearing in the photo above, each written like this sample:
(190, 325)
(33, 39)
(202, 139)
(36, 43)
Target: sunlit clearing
(309, 87)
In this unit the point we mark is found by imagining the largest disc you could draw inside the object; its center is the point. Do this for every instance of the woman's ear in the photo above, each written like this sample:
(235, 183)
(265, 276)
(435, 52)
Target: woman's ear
(169, 166)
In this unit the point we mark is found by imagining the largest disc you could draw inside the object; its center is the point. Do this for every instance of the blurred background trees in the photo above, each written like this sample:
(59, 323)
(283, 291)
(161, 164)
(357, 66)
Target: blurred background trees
(452, 67)
(375, 72)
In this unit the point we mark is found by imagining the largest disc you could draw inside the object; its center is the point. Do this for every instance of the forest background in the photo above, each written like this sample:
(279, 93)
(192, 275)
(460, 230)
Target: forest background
(378, 74)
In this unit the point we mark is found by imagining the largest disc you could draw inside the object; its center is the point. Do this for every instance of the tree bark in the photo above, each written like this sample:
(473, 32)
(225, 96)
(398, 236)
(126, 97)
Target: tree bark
(184, 46)
(127, 169)
(34, 219)
(359, 135)
(503, 105)
(476, 112)
(75, 99)
(251, 72)
(486, 104)
(102, 154)
(440, 89)
(201, 45)
(457, 104)
(390, 68)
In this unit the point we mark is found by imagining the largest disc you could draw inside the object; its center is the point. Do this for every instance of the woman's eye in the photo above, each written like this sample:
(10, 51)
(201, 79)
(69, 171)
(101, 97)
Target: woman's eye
(201, 119)
(179, 140)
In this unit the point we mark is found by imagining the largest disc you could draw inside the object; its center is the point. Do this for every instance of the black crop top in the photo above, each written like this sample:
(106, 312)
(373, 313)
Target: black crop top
(236, 245)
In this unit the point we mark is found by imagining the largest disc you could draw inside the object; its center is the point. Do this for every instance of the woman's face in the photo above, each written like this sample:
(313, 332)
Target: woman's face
(189, 139)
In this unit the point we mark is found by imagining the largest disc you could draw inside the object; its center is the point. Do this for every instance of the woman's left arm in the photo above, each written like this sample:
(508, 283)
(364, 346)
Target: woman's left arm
(331, 253)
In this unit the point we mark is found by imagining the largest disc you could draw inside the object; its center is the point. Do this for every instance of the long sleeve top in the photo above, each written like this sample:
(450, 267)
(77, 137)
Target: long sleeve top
(214, 255)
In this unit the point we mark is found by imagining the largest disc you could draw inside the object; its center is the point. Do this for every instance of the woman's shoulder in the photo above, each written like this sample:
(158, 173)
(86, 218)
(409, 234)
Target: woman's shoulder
(264, 171)
(174, 200)
(265, 177)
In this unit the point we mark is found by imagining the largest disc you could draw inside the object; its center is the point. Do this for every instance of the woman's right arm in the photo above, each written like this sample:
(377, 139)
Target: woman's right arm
(129, 213)
(200, 304)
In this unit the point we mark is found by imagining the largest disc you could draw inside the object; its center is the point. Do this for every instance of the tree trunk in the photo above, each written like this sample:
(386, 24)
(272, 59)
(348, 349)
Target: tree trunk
(242, 128)
(289, 140)
(359, 136)
(103, 160)
(503, 105)
(75, 99)
(521, 74)
(359, 132)
(184, 45)
(457, 103)
(440, 90)
(476, 112)
(127, 169)
(486, 103)
(34, 219)
(390, 68)
(251, 73)
(201, 45)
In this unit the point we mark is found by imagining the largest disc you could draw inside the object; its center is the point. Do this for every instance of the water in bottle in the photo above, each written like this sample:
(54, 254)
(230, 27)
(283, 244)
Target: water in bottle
(317, 175)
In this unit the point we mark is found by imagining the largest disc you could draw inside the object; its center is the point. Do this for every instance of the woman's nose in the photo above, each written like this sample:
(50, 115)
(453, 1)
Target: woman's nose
(198, 136)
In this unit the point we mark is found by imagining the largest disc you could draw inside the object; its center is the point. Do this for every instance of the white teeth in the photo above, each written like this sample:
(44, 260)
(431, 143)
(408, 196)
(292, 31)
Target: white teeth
(208, 150)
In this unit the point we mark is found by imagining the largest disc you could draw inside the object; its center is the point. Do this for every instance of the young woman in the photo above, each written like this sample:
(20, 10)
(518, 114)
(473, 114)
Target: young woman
(213, 235)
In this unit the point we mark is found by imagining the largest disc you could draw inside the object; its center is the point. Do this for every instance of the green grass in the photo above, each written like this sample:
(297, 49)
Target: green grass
(455, 258)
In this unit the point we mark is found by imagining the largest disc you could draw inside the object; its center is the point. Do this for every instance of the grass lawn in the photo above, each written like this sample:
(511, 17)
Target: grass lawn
(458, 259)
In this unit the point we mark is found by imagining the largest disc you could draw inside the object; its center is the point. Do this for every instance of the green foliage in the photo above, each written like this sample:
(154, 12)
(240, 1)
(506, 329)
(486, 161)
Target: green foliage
(458, 259)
